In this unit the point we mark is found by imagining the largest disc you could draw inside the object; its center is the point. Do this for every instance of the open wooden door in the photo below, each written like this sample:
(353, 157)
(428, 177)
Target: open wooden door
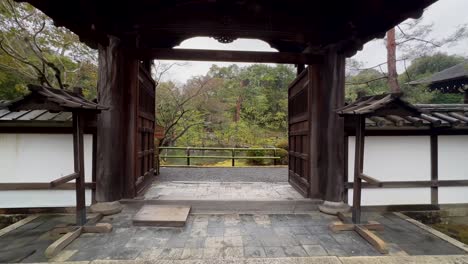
(299, 131)
(145, 130)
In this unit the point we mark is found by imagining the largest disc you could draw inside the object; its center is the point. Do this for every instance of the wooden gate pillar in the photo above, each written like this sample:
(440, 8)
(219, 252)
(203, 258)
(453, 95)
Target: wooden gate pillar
(327, 133)
(117, 84)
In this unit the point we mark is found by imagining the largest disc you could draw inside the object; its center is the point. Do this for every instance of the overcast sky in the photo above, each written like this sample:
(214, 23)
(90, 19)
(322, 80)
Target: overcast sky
(446, 15)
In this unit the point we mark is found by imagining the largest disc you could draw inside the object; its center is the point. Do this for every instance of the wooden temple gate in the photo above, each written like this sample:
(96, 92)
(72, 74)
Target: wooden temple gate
(319, 34)
(145, 129)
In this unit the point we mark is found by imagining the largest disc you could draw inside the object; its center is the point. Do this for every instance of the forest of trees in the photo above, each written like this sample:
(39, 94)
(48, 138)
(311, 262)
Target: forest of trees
(228, 106)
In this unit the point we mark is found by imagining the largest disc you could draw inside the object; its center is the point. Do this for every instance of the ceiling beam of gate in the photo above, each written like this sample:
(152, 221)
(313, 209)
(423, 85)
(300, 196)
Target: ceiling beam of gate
(228, 56)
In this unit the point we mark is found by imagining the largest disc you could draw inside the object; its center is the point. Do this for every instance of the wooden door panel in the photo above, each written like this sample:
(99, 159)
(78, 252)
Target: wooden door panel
(298, 132)
(145, 129)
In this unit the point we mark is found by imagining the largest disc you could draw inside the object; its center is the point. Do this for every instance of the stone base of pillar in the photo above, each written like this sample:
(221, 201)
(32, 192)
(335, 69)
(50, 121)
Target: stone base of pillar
(333, 208)
(107, 208)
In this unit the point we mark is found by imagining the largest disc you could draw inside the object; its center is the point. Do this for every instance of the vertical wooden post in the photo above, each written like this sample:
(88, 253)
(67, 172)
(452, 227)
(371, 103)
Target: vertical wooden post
(274, 155)
(327, 83)
(434, 169)
(300, 68)
(78, 157)
(93, 176)
(188, 156)
(358, 168)
(233, 155)
(116, 128)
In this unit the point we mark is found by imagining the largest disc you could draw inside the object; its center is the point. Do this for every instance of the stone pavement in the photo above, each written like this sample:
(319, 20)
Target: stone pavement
(221, 191)
(235, 174)
(450, 259)
(249, 236)
(239, 238)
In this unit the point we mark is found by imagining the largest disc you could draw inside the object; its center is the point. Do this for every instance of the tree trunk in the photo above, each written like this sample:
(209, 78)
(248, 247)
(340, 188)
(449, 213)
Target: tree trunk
(391, 62)
(238, 108)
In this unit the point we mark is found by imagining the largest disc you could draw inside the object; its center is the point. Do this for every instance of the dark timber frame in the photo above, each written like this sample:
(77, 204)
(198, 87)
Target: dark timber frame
(314, 33)
(44, 98)
(357, 112)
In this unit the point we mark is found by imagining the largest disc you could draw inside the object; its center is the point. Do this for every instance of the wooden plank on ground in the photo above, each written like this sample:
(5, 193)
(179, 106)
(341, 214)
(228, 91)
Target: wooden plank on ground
(340, 226)
(62, 242)
(18, 224)
(98, 228)
(374, 240)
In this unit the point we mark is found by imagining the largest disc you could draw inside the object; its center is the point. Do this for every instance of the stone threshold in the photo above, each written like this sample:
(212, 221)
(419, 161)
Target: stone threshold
(449, 259)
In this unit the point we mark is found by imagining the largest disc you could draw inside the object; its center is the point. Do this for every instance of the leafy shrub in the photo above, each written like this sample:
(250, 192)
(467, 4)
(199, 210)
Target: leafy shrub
(256, 153)
(283, 144)
(283, 154)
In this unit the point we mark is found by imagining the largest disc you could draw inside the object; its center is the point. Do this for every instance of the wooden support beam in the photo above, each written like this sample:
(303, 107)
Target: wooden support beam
(62, 242)
(63, 180)
(434, 169)
(340, 226)
(370, 180)
(78, 155)
(98, 228)
(18, 224)
(26, 186)
(358, 168)
(227, 55)
(374, 240)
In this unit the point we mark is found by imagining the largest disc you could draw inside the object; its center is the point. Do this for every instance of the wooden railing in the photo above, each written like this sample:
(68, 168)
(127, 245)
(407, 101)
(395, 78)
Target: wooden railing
(233, 157)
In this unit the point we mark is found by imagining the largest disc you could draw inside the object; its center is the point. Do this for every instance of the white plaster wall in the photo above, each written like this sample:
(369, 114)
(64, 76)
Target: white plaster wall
(453, 159)
(39, 158)
(397, 158)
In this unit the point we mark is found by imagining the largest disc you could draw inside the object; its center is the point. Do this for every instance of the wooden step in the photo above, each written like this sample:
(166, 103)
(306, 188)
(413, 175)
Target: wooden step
(162, 215)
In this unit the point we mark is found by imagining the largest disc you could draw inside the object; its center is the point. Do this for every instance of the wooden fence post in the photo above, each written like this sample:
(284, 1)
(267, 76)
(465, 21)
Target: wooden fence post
(233, 159)
(188, 156)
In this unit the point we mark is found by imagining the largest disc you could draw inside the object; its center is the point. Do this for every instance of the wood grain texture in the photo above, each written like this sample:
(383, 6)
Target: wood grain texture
(17, 225)
(370, 237)
(62, 242)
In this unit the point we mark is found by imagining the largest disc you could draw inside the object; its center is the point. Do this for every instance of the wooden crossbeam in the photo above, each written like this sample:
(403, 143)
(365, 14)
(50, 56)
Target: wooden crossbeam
(370, 180)
(228, 56)
(64, 179)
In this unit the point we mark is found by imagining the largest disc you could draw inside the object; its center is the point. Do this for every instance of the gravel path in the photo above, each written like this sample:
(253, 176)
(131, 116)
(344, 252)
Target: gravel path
(257, 174)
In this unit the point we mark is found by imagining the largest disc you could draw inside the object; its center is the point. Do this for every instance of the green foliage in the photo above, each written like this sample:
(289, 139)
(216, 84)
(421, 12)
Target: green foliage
(366, 82)
(428, 65)
(283, 144)
(257, 153)
(34, 50)
(284, 156)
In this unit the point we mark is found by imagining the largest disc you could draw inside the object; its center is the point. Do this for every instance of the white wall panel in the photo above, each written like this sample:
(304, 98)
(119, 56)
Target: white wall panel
(453, 157)
(39, 158)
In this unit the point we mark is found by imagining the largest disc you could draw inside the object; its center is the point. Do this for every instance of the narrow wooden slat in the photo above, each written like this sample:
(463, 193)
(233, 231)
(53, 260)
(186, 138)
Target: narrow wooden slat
(18, 224)
(64, 179)
(374, 240)
(413, 184)
(41, 186)
(62, 242)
